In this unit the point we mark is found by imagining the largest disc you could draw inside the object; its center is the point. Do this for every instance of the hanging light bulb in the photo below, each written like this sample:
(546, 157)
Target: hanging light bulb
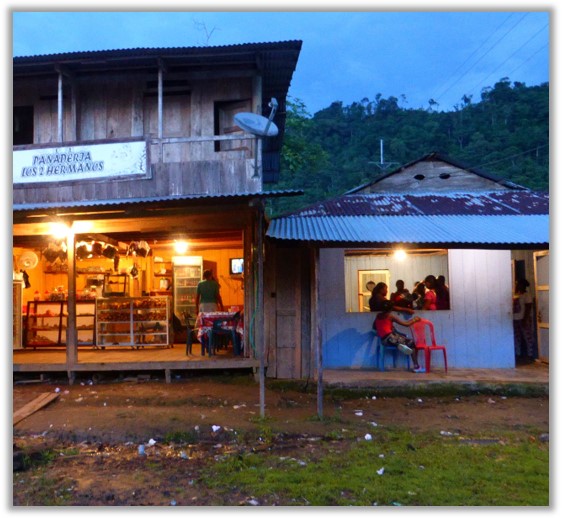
(180, 247)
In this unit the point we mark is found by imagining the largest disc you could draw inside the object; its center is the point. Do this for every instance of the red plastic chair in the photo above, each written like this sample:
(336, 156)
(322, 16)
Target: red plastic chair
(419, 335)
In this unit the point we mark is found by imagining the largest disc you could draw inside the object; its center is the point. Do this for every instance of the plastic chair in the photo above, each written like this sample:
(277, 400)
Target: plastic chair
(380, 353)
(218, 331)
(419, 334)
(190, 331)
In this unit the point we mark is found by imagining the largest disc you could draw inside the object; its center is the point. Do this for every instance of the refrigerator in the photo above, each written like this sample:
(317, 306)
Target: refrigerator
(187, 273)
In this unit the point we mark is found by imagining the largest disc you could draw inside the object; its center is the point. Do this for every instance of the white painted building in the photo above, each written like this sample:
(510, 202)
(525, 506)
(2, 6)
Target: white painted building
(477, 231)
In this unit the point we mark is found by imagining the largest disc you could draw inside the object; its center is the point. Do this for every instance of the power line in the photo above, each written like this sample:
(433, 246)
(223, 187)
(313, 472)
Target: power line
(528, 59)
(470, 57)
(507, 59)
(486, 53)
(510, 157)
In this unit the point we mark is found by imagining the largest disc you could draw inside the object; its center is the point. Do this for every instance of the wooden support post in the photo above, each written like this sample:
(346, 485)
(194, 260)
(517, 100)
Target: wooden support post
(168, 375)
(317, 333)
(260, 334)
(71, 333)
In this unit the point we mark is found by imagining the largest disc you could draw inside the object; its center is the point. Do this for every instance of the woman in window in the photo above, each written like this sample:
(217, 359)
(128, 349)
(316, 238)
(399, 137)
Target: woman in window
(430, 298)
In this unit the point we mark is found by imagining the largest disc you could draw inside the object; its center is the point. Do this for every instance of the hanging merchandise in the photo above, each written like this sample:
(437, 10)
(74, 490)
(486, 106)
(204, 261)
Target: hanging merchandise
(134, 271)
(116, 263)
(143, 248)
(109, 251)
(82, 251)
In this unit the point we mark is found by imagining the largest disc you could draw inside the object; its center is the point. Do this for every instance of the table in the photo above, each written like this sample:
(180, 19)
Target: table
(205, 320)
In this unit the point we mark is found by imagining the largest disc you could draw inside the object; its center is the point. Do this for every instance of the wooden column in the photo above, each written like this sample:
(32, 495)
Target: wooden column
(260, 332)
(317, 332)
(71, 333)
(59, 110)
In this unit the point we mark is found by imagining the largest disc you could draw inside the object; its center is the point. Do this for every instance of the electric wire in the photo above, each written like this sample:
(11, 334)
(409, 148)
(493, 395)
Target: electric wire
(470, 57)
(507, 59)
(485, 54)
(535, 149)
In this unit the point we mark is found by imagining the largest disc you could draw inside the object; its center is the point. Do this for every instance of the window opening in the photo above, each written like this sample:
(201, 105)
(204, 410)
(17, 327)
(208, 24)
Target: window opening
(225, 125)
(23, 125)
(382, 265)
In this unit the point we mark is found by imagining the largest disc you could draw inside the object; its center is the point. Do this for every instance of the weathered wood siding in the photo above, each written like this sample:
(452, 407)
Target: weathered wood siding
(478, 330)
(432, 176)
(288, 313)
(114, 108)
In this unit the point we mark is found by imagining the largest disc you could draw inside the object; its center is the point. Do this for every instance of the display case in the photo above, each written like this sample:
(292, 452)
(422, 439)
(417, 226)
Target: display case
(188, 272)
(46, 323)
(133, 321)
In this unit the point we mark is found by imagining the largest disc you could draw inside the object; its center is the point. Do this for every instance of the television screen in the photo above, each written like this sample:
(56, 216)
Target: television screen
(236, 266)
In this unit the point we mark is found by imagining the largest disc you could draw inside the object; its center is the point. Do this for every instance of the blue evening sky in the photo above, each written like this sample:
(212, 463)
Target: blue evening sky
(346, 56)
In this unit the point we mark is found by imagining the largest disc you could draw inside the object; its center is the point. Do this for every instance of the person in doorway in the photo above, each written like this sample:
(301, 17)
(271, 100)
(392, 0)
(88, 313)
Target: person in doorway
(208, 297)
(383, 325)
(377, 300)
(525, 343)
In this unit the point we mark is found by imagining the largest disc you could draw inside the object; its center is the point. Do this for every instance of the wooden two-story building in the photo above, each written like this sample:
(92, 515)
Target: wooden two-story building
(133, 152)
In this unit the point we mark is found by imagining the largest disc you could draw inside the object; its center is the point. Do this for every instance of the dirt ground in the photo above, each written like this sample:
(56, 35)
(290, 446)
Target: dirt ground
(96, 429)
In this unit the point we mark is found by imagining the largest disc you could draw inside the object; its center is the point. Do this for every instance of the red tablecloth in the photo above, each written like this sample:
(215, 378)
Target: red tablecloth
(204, 322)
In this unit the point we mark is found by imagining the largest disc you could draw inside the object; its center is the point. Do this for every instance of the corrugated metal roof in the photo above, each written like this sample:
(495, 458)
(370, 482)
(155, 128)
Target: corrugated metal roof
(475, 229)
(482, 203)
(30, 207)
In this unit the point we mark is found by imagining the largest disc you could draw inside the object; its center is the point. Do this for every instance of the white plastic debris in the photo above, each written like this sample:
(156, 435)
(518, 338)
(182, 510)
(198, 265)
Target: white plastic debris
(420, 400)
(57, 390)
(368, 437)
(359, 413)
(183, 455)
(215, 428)
(374, 397)
(151, 442)
(373, 423)
(173, 502)
(253, 501)
(381, 455)
(141, 449)
(380, 471)
(491, 401)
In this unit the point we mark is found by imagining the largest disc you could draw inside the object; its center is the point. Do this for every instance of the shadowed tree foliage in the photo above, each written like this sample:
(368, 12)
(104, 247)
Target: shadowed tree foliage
(338, 148)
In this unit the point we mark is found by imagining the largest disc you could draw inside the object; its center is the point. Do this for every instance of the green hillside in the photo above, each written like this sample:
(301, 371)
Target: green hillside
(505, 134)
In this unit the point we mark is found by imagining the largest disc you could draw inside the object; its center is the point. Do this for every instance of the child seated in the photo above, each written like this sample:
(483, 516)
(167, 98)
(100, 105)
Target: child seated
(384, 327)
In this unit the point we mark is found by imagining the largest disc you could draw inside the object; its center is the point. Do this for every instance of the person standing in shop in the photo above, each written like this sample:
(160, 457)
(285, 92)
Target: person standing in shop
(208, 297)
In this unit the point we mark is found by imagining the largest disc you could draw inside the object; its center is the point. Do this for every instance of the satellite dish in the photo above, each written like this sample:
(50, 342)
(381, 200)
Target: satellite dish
(28, 260)
(256, 124)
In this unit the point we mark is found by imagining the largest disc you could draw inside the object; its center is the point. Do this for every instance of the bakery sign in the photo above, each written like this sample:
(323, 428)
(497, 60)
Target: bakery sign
(88, 162)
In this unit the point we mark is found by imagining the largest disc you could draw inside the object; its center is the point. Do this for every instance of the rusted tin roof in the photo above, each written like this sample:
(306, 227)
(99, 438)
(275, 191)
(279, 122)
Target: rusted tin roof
(510, 218)
(484, 204)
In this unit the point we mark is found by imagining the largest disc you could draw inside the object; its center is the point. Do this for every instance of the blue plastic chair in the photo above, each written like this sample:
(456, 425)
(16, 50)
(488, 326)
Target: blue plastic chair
(380, 353)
